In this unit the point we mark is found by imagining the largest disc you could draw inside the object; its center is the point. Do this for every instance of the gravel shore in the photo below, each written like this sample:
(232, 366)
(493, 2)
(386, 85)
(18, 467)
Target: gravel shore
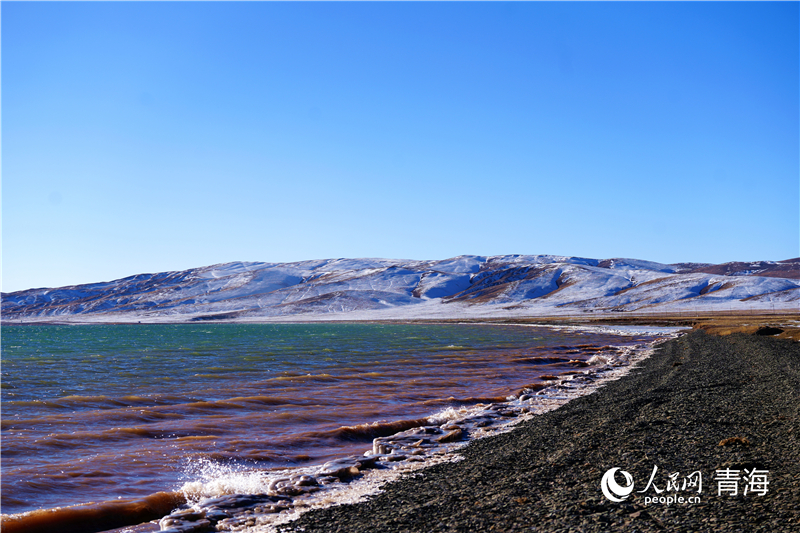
(700, 403)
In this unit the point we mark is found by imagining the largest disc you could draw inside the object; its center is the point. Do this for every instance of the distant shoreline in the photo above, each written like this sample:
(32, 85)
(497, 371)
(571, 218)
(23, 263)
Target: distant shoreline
(721, 322)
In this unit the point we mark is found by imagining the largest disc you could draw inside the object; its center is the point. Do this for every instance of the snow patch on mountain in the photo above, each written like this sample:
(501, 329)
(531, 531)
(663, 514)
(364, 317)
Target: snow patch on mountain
(460, 287)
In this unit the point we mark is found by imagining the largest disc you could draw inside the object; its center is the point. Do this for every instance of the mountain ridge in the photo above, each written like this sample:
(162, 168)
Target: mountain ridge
(372, 288)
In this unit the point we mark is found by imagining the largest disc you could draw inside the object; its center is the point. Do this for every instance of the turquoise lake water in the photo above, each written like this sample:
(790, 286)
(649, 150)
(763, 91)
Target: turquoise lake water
(101, 412)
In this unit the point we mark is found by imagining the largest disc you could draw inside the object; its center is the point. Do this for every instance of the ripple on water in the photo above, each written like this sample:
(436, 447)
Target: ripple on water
(143, 419)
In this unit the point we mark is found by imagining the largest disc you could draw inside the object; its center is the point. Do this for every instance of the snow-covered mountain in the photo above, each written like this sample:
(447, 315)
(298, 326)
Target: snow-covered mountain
(461, 287)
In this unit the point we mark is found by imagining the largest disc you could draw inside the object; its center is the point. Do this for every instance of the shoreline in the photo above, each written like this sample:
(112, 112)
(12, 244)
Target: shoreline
(243, 515)
(700, 403)
(717, 323)
(631, 510)
(495, 416)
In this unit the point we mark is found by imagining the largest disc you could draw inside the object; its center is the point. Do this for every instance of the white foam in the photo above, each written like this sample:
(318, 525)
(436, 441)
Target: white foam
(216, 479)
(372, 481)
(623, 331)
(446, 415)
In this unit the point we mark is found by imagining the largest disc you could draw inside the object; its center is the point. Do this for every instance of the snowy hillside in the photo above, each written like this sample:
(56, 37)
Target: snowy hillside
(461, 287)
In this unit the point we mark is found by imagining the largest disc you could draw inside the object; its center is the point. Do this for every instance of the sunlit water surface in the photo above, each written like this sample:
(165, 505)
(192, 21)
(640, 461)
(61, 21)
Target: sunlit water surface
(94, 413)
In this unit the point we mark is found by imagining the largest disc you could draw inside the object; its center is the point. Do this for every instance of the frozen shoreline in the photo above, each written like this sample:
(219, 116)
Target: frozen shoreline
(395, 457)
(418, 314)
(700, 403)
(469, 421)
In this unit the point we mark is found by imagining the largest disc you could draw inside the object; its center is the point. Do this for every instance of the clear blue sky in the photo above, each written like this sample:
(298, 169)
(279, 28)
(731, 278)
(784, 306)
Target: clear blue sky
(146, 137)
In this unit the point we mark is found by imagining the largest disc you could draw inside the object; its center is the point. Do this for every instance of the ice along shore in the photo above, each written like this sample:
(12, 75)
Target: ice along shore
(721, 410)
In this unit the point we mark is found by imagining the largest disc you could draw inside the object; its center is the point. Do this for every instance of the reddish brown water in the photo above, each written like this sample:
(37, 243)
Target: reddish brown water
(101, 413)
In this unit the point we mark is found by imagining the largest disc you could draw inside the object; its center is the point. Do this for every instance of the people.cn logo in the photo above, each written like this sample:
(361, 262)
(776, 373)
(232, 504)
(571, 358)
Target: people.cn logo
(614, 491)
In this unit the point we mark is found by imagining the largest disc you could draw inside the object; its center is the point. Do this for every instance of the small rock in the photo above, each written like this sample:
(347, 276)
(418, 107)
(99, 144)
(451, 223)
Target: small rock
(340, 469)
(450, 436)
(187, 527)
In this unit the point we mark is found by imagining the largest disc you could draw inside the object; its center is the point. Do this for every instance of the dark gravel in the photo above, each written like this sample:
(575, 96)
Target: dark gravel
(672, 412)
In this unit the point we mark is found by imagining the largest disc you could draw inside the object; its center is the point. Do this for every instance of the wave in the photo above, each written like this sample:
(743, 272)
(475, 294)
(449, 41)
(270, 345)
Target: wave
(80, 438)
(93, 517)
(147, 412)
(541, 360)
(102, 402)
(367, 432)
(464, 401)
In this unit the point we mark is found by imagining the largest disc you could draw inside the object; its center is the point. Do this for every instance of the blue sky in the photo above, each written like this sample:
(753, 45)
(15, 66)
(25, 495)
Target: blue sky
(146, 137)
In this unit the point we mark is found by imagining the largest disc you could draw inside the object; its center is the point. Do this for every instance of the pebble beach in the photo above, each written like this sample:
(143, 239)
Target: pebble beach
(722, 409)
